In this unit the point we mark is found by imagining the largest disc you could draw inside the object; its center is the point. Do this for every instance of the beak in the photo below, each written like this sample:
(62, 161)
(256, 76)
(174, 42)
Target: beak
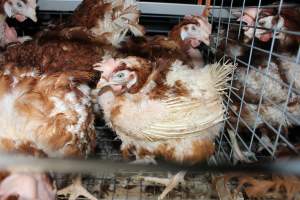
(31, 13)
(207, 41)
(103, 83)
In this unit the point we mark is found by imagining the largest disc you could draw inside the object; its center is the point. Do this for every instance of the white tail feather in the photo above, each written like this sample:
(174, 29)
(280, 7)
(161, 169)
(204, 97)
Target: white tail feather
(222, 74)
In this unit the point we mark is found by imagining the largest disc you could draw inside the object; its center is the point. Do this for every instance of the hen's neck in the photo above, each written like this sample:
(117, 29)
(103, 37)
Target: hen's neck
(176, 36)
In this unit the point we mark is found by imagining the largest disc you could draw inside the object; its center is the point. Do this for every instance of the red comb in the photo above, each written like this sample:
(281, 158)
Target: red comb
(205, 12)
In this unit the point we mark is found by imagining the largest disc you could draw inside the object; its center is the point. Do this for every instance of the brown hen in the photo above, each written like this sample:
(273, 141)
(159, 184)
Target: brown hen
(46, 114)
(181, 43)
(165, 110)
(92, 31)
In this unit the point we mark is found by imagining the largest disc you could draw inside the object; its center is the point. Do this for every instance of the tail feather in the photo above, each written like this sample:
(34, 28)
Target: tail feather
(222, 74)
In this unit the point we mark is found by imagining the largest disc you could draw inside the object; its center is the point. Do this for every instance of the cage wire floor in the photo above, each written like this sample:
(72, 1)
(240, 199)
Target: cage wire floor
(127, 185)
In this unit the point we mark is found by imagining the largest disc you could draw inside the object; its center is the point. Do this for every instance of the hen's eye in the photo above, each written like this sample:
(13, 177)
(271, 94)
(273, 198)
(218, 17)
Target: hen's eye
(262, 23)
(121, 75)
(19, 4)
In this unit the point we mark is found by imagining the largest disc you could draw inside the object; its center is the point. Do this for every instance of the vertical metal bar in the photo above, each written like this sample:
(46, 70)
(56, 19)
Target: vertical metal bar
(216, 47)
(212, 21)
(60, 18)
(280, 126)
(240, 26)
(298, 56)
(114, 189)
(247, 72)
(101, 183)
(285, 107)
(126, 197)
(141, 189)
(226, 42)
(219, 23)
(234, 61)
(264, 81)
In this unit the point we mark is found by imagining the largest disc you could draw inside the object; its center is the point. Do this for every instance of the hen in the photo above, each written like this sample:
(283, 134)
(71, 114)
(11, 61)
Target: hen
(89, 34)
(48, 114)
(65, 54)
(181, 43)
(265, 85)
(15, 9)
(163, 109)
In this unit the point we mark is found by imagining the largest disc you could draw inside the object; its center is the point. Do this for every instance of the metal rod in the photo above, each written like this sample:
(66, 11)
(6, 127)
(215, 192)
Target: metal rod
(31, 164)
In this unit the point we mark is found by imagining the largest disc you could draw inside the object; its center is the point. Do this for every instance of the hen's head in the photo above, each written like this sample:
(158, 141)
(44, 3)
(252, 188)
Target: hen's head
(268, 19)
(20, 9)
(192, 31)
(124, 75)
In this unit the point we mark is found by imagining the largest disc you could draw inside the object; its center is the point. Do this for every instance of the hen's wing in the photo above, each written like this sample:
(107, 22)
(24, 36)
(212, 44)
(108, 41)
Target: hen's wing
(185, 117)
(193, 115)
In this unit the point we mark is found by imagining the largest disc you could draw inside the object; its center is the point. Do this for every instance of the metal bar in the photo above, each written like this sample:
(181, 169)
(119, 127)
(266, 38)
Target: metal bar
(255, 68)
(266, 123)
(247, 72)
(70, 5)
(33, 164)
(217, 43)
(145, 7)
(263, 86)
(296, 33)
(265, 51)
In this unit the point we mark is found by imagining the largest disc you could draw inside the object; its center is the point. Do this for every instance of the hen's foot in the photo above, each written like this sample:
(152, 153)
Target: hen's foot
(170, 183)
(75, 190)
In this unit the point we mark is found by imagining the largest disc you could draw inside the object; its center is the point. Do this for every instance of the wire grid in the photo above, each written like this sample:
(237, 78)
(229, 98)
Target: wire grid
(250, 138)
(123, 186)
(127, 185)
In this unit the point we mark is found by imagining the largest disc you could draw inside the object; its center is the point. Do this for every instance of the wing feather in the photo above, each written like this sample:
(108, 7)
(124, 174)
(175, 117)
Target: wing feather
(184, 118)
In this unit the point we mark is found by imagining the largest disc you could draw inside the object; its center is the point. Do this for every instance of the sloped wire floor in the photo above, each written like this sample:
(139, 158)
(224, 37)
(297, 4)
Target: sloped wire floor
(127, 185)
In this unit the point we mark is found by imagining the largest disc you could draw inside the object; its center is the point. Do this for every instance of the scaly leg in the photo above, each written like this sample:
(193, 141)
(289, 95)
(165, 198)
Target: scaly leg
(170, 183)
(75, 190)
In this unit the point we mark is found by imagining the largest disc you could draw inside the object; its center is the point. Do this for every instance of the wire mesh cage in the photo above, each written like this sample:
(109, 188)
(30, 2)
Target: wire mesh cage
(260, 136)
(263, 105)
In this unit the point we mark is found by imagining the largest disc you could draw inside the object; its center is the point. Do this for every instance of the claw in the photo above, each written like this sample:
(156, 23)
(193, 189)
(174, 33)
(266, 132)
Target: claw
(170, 183)
(75, 190)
